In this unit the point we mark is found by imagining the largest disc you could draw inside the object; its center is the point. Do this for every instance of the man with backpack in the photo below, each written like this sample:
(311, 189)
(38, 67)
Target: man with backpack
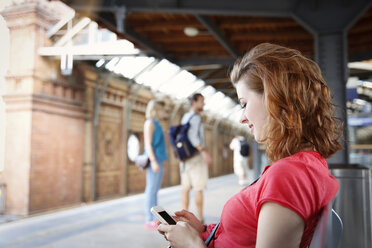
(194, 170)
(241, 160)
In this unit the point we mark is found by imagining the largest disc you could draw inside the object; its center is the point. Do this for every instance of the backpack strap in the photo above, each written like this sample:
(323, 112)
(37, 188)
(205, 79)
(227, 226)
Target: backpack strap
(190, 118)
(199, 123)
(194, 114)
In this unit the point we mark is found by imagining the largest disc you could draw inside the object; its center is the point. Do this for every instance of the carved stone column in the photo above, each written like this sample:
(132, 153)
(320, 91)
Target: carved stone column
(4, 64)
(44, 116)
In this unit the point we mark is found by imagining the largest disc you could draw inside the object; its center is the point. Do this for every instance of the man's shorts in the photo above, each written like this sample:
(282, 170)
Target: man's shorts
(194, 173)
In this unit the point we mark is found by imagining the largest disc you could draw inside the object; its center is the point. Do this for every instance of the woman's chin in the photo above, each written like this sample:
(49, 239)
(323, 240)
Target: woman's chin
(258, 139)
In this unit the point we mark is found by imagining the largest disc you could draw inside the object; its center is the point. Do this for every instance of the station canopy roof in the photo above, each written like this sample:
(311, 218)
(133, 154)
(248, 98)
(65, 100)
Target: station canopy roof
(193, 44)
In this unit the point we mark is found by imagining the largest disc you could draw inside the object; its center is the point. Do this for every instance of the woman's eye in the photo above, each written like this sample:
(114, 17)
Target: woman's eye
(243, 105)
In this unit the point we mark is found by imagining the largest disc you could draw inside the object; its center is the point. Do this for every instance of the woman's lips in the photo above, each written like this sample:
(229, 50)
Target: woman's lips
(250, 128)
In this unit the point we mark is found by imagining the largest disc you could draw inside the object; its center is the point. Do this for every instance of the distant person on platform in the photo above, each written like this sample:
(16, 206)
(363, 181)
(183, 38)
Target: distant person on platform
(241, 160)
(156, 150)
(194, 171)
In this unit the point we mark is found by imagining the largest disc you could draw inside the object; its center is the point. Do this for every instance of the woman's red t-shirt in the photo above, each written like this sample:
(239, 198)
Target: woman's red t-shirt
(300, 182)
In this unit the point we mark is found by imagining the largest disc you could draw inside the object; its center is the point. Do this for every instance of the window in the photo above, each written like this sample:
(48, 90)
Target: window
(133, 147)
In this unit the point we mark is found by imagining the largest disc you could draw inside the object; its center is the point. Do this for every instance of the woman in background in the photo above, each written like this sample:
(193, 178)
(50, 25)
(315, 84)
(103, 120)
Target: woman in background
(156, 150)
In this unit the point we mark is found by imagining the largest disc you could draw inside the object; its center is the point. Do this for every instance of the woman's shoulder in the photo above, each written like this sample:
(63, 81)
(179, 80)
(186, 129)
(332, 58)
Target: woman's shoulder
(152, 120)
(150, 123)
(300, 181)
(303, 168)
(301, 161)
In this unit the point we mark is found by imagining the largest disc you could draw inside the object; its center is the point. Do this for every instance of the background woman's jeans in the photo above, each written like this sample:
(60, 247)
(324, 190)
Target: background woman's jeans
(153, 183)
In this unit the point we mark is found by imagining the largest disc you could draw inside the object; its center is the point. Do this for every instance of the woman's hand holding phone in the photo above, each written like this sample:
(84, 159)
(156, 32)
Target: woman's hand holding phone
(182, 235)
(191, 219)
(182, 230)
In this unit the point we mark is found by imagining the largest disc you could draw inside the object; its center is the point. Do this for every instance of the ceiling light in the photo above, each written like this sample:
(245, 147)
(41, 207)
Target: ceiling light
(191, 31)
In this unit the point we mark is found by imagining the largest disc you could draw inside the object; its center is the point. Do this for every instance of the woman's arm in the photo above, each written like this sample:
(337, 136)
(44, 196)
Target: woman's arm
(279, 227)
(148, 131)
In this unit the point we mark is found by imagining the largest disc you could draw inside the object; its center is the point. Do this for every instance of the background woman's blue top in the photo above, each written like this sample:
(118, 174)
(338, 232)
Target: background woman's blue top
(158, 142)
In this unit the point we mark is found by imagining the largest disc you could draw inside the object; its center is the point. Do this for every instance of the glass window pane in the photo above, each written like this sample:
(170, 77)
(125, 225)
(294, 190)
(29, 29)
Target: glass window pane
(158, 74)
(208, 91)
(178, 83)
(194, 86)
(130, 66)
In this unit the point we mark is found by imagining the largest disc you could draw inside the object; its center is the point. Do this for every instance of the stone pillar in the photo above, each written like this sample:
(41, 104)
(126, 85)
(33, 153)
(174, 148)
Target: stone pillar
(4, 64)
(44, 116)
(90, 78)
(18, 113)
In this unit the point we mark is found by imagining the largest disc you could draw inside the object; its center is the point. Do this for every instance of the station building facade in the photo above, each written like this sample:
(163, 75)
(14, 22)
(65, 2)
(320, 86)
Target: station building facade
(54, 154)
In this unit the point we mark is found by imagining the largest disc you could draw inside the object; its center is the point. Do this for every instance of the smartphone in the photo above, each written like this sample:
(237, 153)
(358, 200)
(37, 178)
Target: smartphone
(162, 215)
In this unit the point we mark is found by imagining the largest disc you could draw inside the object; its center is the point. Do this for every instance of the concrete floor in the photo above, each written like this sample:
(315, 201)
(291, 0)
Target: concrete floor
(115, 223)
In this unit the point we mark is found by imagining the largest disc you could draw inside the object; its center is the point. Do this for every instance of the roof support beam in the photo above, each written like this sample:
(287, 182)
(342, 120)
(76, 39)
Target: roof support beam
(204, 61)
(219, 7)
(231, 94)
(216, 78)
(201, 67)
(219, 80)
(129, 32)
(206, 74)
(116, 48)
(73, 31)
(53, 30)
(224, 86)
(360, 56)
(207, 22)
(120, 14)
(144, 42)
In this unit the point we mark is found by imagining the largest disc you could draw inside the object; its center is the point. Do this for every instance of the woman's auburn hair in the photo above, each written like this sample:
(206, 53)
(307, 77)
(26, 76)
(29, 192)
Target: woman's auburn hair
(153, 107)
(297, 99)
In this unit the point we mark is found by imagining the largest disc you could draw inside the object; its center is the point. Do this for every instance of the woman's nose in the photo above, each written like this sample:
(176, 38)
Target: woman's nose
(243, 118)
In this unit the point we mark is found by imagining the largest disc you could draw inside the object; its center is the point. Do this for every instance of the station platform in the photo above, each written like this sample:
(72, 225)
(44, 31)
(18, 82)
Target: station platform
(111, 224)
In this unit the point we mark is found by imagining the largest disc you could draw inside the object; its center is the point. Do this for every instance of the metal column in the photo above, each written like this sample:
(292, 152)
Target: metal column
(329, 22)
(331, 56)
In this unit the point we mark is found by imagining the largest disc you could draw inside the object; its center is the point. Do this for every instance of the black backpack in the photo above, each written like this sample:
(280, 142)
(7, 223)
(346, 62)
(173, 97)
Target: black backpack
(181, 145)
(244, 148)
